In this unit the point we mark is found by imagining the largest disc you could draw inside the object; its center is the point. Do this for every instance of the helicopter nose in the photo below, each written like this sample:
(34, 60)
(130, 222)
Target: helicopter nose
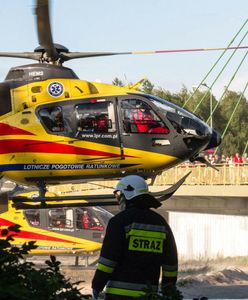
(215, 140)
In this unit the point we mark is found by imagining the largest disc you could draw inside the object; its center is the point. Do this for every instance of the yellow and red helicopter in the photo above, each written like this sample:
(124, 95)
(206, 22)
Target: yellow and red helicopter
(70, 230)
(56, 128)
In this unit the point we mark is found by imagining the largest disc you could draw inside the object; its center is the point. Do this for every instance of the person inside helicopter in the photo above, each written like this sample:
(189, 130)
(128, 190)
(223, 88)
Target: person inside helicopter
(142, 117)
(146, 122)
(87, 220)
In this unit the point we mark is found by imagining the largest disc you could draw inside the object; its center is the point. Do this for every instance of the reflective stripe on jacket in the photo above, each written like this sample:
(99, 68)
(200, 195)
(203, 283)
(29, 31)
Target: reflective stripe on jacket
(127, 289)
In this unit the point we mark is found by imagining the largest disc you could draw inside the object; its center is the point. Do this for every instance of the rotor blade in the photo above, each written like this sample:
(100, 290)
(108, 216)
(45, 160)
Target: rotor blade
(73, 55)
(166, 194)
(28, 55)
(99, 199)
(28, 205)
(204, 161)
(64, 198)
(44, 28)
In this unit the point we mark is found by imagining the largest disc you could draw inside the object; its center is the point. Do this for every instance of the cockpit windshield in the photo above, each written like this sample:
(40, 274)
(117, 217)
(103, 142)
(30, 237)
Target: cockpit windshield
(182, 120)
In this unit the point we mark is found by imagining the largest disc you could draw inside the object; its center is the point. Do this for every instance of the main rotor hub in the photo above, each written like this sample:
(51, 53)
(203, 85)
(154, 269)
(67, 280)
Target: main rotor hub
(58, 47)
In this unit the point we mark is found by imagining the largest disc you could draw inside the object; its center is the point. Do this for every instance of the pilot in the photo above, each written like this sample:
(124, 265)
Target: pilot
(142, 118)
(138, 243)
(145, 122)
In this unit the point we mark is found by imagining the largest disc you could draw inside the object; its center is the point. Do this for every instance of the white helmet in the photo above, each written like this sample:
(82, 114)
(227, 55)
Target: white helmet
(132, 186)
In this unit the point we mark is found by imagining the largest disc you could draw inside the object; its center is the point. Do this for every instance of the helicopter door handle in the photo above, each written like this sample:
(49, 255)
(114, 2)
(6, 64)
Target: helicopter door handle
(160, 142)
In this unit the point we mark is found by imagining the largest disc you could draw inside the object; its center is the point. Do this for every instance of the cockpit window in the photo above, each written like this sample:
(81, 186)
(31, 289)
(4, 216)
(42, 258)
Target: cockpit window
(95, 116)
(85, 118)
(6, 95)
(138, 117)
(52, 117)
(183, 121)
(33, 217)
(60, 218)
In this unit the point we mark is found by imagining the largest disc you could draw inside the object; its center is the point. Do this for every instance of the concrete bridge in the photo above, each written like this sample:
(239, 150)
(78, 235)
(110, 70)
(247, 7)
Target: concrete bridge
(204, 191)
(209, 191)
(221, 199)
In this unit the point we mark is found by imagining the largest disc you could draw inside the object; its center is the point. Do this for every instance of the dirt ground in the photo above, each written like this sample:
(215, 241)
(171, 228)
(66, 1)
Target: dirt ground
(229, 283)
(220, 279)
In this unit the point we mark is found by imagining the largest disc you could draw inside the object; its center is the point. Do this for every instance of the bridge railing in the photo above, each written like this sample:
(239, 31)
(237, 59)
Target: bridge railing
(204, 175)
(200, 175)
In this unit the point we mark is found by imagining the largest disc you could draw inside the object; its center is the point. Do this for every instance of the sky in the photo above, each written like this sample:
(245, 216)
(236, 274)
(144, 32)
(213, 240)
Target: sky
(135, 25)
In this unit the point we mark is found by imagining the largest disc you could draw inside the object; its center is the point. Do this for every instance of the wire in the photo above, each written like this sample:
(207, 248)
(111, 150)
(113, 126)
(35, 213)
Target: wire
(246, 147)
(217, 77)
(231, 117)
(206, 76)
(226, 88)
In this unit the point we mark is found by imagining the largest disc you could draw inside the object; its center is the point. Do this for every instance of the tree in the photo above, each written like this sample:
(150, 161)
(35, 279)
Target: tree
(22, 281)
(147, 87)
(236, 133)
(117, 82)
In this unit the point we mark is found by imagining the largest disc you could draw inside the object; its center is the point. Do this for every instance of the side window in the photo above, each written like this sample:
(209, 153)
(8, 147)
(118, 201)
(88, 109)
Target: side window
(52, 118)
(138, 117)
(60, 218)
(5, 94)
(95, 116)
(33, 217)
(86, 219)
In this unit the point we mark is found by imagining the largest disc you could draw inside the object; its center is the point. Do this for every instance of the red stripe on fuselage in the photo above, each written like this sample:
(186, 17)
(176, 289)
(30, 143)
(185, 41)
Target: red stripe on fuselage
(23, 145)
(6, 129)
(4, 222)
(23, 234)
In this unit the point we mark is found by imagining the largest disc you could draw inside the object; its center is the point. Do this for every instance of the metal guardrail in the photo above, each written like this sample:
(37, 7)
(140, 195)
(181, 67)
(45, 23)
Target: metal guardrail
(204, 175)
(200, 175)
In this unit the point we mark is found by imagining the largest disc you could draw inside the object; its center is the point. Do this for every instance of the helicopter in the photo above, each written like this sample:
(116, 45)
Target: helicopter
(60, 230)
(56, 128)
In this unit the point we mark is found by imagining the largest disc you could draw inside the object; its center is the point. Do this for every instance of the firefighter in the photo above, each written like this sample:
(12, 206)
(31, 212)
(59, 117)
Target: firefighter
(138, 244)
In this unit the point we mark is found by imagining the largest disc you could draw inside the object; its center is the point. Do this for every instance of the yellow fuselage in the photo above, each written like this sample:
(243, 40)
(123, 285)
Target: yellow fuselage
(47, 240)
(29, 151)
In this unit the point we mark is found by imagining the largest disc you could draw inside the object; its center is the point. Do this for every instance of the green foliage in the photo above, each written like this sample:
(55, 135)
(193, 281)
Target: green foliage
(237, 133)
(147, 87)
(117, 82)
(21, 280)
